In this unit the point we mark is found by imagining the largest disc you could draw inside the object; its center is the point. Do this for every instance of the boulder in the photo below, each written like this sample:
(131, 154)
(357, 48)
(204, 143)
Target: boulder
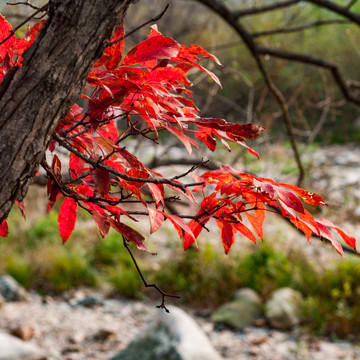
(284, 308)
(247, 294)
(173, 336)
(243, 311)
(11, 290)
(12, 348)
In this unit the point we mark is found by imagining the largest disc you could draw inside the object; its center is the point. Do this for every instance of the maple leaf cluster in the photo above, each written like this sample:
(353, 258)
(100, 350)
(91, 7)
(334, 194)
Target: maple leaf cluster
(147, 91)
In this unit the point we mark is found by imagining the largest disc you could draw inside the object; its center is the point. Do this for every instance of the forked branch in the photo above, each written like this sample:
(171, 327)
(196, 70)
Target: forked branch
(163, 294)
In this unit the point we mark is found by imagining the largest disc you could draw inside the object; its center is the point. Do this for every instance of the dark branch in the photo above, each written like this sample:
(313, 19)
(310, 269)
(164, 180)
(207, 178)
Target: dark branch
(284, 30)
(228, 16)
(262, 9)
(163, 294)
(156, 18)
(311, 60)
(343, 11)
(13, 31)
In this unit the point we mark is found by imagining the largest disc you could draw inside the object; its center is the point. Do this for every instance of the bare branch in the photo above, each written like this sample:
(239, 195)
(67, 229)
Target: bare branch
(228, 16)
(262, 9)
(13, 31)
(311, 60)
(163, 294)
(156, 18)
(98, 164)
(284, 30)
(351, 3)
(27, 3)
(182, 161)
(343, 11)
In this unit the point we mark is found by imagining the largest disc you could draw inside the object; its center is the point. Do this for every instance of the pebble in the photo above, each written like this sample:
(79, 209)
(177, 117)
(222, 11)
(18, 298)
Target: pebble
(24, 331)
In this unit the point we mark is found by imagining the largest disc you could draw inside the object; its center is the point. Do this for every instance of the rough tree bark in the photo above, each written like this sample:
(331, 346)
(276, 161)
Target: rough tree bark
(51, 78)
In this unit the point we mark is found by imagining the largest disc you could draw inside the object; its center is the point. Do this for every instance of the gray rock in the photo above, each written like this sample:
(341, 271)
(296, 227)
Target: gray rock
(174, 336)
(284, 308)
(241, 312)
(11, 290)
(92, 301)
(247, 294)
(12, 348)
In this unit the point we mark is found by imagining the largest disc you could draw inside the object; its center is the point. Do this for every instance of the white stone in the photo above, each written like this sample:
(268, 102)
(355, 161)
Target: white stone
(12, 348)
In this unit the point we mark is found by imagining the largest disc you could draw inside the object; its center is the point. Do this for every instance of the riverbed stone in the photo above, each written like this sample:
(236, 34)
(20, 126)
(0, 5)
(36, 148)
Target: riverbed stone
(12, 348)
(284, 308)
(241, 312)
(11, 290)
(171, 336)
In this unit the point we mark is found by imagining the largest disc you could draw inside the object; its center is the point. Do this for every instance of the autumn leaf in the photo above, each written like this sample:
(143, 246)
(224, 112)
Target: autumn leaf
(102, 223)
(245, 231)
(22, 208)
(67, 218)
(102, 181)
(113, 54)
(351, 241)
(5, 31)
(180, 226)
(307, 196)
(130, 234)
(227, 234)
(154, 48)
(4, 228)
(156, 218)
(157, 192)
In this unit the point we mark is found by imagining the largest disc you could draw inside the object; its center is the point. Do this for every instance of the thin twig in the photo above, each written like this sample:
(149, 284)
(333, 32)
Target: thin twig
(341, 10)
(13, 31)
(96, 164)
(284, 30)
(163, 294)
(231, 19)
(192, 169)
(262, 9)
(27, 3)
(156, 18)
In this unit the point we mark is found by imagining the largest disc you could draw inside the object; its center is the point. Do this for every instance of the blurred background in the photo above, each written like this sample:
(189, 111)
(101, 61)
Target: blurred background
(327, 131)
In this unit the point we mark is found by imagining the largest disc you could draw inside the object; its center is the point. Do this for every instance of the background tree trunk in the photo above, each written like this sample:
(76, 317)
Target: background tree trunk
(52, 76)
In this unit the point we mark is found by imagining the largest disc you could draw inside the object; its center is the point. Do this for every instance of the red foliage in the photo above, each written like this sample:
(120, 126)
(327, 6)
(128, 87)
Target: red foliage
(67, 217)
(147, 90)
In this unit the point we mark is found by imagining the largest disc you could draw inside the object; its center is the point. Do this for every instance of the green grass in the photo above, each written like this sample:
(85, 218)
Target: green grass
(206, 278)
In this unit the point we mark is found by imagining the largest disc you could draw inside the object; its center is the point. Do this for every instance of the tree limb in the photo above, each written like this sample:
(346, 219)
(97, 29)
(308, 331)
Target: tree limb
(228, 16)
(51, 77)
(262, 9)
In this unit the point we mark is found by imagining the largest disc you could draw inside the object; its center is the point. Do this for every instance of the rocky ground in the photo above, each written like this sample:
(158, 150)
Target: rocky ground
(89, 327)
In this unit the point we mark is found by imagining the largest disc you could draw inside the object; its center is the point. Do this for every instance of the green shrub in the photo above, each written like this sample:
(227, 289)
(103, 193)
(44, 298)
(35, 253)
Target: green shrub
(17, 267)
(64, 269)
(45, 229)
(109, 251)
(125, 280)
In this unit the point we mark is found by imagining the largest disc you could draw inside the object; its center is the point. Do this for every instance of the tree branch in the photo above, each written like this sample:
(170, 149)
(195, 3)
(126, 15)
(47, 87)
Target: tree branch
(228, 16)
(163, 294)
(284, 30)
(50, 79)
(100, 165)
(156, 18)
(262, 9)
(311, 60)
(343, 11)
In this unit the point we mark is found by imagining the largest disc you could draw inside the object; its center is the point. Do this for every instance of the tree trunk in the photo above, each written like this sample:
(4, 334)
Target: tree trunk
(51, 78)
